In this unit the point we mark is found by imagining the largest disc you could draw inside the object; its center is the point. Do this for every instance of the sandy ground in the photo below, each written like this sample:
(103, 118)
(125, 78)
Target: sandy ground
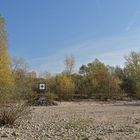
(79, 121)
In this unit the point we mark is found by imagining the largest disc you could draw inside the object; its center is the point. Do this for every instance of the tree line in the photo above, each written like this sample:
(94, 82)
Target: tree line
(94, 80)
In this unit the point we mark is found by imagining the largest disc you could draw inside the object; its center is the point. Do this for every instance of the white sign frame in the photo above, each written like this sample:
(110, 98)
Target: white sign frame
(42, 86)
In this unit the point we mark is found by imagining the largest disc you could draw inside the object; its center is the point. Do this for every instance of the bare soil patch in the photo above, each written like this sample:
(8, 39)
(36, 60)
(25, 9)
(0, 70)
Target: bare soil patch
(80, 121)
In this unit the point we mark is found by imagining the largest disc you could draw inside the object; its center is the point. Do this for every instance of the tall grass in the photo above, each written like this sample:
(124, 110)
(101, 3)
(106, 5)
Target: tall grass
(12, 114)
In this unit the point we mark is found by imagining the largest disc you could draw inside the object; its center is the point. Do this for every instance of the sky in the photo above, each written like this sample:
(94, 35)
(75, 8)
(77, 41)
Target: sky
(44, 32)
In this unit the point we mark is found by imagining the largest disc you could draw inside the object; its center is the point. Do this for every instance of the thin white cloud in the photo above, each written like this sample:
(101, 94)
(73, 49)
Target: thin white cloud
(132, 22)
(110, 50)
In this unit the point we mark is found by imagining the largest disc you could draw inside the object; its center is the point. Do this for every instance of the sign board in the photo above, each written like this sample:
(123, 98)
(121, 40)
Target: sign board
(42, 87)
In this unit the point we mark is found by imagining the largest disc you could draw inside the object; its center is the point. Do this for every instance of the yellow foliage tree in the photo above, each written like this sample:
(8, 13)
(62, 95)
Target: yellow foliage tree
(6, 79)
(65, 87)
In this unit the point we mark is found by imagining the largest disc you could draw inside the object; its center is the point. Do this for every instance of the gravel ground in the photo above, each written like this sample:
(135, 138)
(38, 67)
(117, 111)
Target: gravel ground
(79, 121)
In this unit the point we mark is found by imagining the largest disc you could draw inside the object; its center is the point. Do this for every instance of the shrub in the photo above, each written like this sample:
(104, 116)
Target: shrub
(62, 86)
(79, 127)
(65, 87)
(6, 93)
(13, 113)
(51, 96)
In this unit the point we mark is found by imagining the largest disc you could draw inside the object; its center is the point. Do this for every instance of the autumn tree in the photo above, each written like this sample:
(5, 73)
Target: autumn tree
(19, 63)
(45, 75)
(19, 68)
(69, 64)
(62, 86)
(99, 81)
(6, 79)
(25, 81)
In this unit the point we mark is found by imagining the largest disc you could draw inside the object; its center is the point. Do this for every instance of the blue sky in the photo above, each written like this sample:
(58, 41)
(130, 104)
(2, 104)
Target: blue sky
(45, 31)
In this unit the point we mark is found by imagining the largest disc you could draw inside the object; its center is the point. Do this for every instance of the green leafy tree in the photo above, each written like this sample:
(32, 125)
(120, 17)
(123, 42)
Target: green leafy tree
(132, 73)
(100, 81)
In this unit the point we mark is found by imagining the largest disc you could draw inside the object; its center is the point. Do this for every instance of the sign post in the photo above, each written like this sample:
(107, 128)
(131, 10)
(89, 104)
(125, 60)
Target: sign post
(42, 90)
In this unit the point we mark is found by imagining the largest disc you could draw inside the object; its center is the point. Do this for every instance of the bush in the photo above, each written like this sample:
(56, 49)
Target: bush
(62, 86)
(13, 113)
(6, 94)
(51, 96)
(65, 87)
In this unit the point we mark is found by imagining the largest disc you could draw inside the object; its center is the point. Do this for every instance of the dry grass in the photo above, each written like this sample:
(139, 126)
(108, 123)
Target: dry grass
(13, 113)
